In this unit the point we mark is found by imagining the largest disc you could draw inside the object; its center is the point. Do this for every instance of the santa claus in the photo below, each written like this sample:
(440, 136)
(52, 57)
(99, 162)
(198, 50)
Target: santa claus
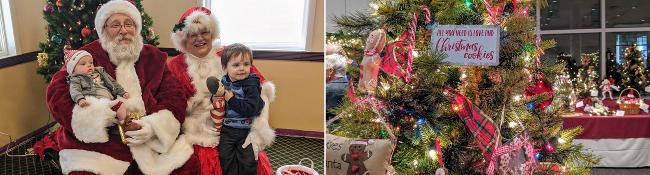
(193, 36)
(88, 138)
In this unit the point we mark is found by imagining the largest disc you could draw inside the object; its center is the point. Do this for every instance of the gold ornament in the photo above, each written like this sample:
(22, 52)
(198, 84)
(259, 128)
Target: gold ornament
(42, 59)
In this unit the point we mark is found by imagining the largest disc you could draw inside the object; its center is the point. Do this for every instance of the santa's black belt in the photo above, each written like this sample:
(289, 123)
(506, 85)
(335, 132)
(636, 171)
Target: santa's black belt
(113, 130)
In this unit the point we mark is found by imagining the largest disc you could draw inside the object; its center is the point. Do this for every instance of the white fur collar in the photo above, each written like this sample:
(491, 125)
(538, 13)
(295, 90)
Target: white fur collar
(198, 114)
(126, 76)
(199, 69)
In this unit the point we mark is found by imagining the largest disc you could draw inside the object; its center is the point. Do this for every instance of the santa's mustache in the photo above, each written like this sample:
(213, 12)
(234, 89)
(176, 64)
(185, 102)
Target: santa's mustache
(123, 37)
(120, 52)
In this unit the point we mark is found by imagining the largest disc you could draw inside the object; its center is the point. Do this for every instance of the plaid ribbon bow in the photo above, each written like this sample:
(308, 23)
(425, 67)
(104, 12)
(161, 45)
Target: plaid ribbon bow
(482, 127)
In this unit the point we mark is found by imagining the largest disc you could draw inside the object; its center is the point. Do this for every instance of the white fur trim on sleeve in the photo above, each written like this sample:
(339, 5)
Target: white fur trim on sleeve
(82, 160)
(194, 129)
(268, 90)
(151, 162)
(163, 153)
(165, 128)
(265, 135)
(89, 123)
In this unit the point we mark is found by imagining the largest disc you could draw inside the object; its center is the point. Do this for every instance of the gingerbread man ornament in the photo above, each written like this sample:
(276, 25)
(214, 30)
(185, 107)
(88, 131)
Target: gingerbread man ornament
(371, 60)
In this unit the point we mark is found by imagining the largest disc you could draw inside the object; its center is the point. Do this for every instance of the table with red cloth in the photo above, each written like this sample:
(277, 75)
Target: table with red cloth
(611, 104)
(619, 141)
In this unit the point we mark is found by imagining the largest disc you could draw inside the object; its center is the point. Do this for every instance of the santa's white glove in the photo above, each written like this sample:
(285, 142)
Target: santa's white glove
(140, 136)
(252, 140)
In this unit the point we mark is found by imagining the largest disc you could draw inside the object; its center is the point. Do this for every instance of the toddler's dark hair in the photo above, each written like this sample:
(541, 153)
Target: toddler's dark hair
(234, 50)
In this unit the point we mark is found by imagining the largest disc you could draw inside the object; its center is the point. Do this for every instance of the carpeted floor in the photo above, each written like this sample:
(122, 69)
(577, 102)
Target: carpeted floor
(290, 150)
(285, 151)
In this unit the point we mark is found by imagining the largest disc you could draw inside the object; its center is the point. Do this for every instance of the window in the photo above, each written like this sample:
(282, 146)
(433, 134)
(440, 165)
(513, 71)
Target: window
(7, 46)
(627, 13)
(623, 40)
(572, 45)
(587, 26)
(565, 14)
(267, 25)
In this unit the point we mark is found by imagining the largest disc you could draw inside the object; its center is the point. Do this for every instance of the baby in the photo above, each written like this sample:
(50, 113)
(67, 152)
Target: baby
(87, 80)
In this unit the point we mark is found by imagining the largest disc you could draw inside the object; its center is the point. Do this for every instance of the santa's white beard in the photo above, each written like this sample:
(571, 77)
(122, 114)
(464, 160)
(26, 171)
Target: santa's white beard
(122, 53)
(125, 56)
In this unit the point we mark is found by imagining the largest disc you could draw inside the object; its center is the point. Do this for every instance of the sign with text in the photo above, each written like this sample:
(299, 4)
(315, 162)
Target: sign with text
(467, 44)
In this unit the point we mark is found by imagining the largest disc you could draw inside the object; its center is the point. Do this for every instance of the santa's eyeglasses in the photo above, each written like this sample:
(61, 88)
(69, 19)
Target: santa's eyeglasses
(118, 26)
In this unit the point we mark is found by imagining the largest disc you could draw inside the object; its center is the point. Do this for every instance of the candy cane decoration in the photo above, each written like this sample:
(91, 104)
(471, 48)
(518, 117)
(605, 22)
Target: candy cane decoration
(218, 111)
(427, 13)
(439, 153)
(393, 61)
(490, 12)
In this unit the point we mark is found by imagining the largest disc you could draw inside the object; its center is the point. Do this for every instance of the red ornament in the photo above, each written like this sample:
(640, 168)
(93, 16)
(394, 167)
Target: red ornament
(585, 61)
(59, 3)
(549, 166)
(539, 88)
(549, 148)
(85, 32)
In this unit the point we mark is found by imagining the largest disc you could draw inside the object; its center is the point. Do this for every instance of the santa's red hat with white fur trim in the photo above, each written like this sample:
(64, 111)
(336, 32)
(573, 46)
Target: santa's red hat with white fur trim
(193, 20)
(113, 7)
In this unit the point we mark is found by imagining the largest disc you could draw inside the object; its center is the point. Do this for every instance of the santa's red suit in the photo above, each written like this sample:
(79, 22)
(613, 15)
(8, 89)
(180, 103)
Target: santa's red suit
(198, 128)
(84, 138)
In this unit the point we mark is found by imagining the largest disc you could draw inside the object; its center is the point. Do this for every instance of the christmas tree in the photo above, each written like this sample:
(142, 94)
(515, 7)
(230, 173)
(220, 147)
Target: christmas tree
(613, 68)
(468, 110)
(633, 73)
(570, 65)
(70, 25)
(587, 77)
(564, 83)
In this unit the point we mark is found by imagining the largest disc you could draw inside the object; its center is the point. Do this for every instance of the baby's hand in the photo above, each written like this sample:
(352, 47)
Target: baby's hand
(83, 103)
(126, 95)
